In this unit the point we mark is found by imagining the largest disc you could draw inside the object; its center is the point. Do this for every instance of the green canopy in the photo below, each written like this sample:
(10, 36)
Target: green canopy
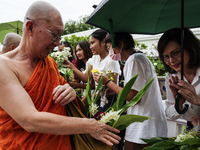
(14, 26)
(144, 16)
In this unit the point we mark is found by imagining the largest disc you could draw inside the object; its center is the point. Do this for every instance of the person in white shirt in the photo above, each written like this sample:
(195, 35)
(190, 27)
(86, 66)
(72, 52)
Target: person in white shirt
(103, 63)
(169, 48)
(150, 104)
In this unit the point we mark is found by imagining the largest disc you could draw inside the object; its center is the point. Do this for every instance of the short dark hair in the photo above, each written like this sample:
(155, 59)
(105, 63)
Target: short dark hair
(191, 44)
(108, 38)
(87, 52)
(122, 37)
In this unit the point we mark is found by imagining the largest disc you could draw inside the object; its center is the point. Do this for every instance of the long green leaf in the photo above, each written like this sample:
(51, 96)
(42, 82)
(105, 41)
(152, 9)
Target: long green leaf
(94, 98)
(123, 94)
(137, 97)
(125, 120)
(87, 95)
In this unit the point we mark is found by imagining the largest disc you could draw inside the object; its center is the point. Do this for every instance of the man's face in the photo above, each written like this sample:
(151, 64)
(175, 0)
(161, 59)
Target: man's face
(44, 41)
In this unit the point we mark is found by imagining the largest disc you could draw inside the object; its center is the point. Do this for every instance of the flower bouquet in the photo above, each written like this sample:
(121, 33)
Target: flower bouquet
(185, 141)
(113, 115)
(59, 58)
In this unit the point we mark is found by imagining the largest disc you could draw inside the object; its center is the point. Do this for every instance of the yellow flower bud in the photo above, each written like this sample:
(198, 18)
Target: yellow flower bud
(95, 71)
(111, 78)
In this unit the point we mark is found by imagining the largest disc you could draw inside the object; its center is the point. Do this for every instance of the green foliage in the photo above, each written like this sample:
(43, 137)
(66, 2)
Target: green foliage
(123, 94)
(162, 143)
(125, 120)
(75, 39)
(158, 65)
(72, 26)
(140, 46)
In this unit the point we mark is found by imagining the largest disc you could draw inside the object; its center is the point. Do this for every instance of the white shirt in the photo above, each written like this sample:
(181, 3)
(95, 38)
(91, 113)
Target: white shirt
(150, 104)
(193, 109)
(105, 65)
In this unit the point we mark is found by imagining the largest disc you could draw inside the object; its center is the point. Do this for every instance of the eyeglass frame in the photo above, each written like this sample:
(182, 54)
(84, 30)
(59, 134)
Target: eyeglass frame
(54, 36)
(171, 55)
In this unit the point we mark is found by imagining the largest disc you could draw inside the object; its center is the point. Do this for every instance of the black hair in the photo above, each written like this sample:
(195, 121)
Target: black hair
(85, 46)
(191, 44)
(99, 34)
(122, 37)
(108, 38)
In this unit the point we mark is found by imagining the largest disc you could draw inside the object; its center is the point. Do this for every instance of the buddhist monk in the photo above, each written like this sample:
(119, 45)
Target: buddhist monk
(10, 42)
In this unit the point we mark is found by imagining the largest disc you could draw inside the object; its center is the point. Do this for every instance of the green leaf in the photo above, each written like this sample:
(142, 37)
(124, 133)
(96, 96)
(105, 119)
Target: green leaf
(125, 120)
(97, 88)
(164, 145)
(136, 98)
(87, 95)
(193, 141)
(153, 140)
(123, 94)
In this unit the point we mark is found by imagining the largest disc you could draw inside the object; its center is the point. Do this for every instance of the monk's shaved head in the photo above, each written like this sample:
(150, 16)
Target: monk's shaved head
(41, 11)
(11, 41)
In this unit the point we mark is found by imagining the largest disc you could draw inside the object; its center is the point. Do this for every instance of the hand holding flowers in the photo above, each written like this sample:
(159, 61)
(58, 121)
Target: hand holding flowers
(59, 57)
(113, 116)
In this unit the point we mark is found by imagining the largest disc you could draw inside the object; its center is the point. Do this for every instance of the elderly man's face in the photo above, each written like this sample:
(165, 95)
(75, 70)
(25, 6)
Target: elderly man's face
(44, 42)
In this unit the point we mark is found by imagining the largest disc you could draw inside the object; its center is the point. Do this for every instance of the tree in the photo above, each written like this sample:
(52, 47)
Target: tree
(77, 26)
(73, 39)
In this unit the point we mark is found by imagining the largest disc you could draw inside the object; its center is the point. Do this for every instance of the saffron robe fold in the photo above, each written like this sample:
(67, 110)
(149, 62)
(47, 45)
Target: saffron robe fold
(40, 87)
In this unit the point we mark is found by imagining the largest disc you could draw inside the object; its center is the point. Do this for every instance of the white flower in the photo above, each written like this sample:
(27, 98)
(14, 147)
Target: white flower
(93, 109)
(110, 115)
(60, 56)
(183, 137)
(66, 48)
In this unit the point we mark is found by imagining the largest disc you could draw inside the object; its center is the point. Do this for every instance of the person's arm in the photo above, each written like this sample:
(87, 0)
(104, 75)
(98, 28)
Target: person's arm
(169, 103)
(80, 85)
(80, 75)
(111, 85)
(18, 104)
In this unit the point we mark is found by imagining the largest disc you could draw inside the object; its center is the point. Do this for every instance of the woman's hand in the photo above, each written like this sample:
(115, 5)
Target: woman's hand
(103, 132)
(173, 87)
(195, 120)
(187, 91)
(97, 78)
(68, 64)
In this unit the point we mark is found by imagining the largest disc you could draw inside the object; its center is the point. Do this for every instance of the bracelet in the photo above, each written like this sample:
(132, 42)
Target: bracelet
(107, 82)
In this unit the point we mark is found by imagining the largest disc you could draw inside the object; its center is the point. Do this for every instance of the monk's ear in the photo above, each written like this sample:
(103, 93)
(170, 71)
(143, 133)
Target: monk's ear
(12, 47)
(29, 27)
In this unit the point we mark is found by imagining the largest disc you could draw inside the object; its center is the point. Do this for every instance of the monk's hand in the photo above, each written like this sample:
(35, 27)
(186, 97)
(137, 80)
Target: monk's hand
(63, 94)
(103, 132)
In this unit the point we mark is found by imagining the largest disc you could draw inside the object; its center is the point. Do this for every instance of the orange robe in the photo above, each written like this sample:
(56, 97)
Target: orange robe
(40, 87)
